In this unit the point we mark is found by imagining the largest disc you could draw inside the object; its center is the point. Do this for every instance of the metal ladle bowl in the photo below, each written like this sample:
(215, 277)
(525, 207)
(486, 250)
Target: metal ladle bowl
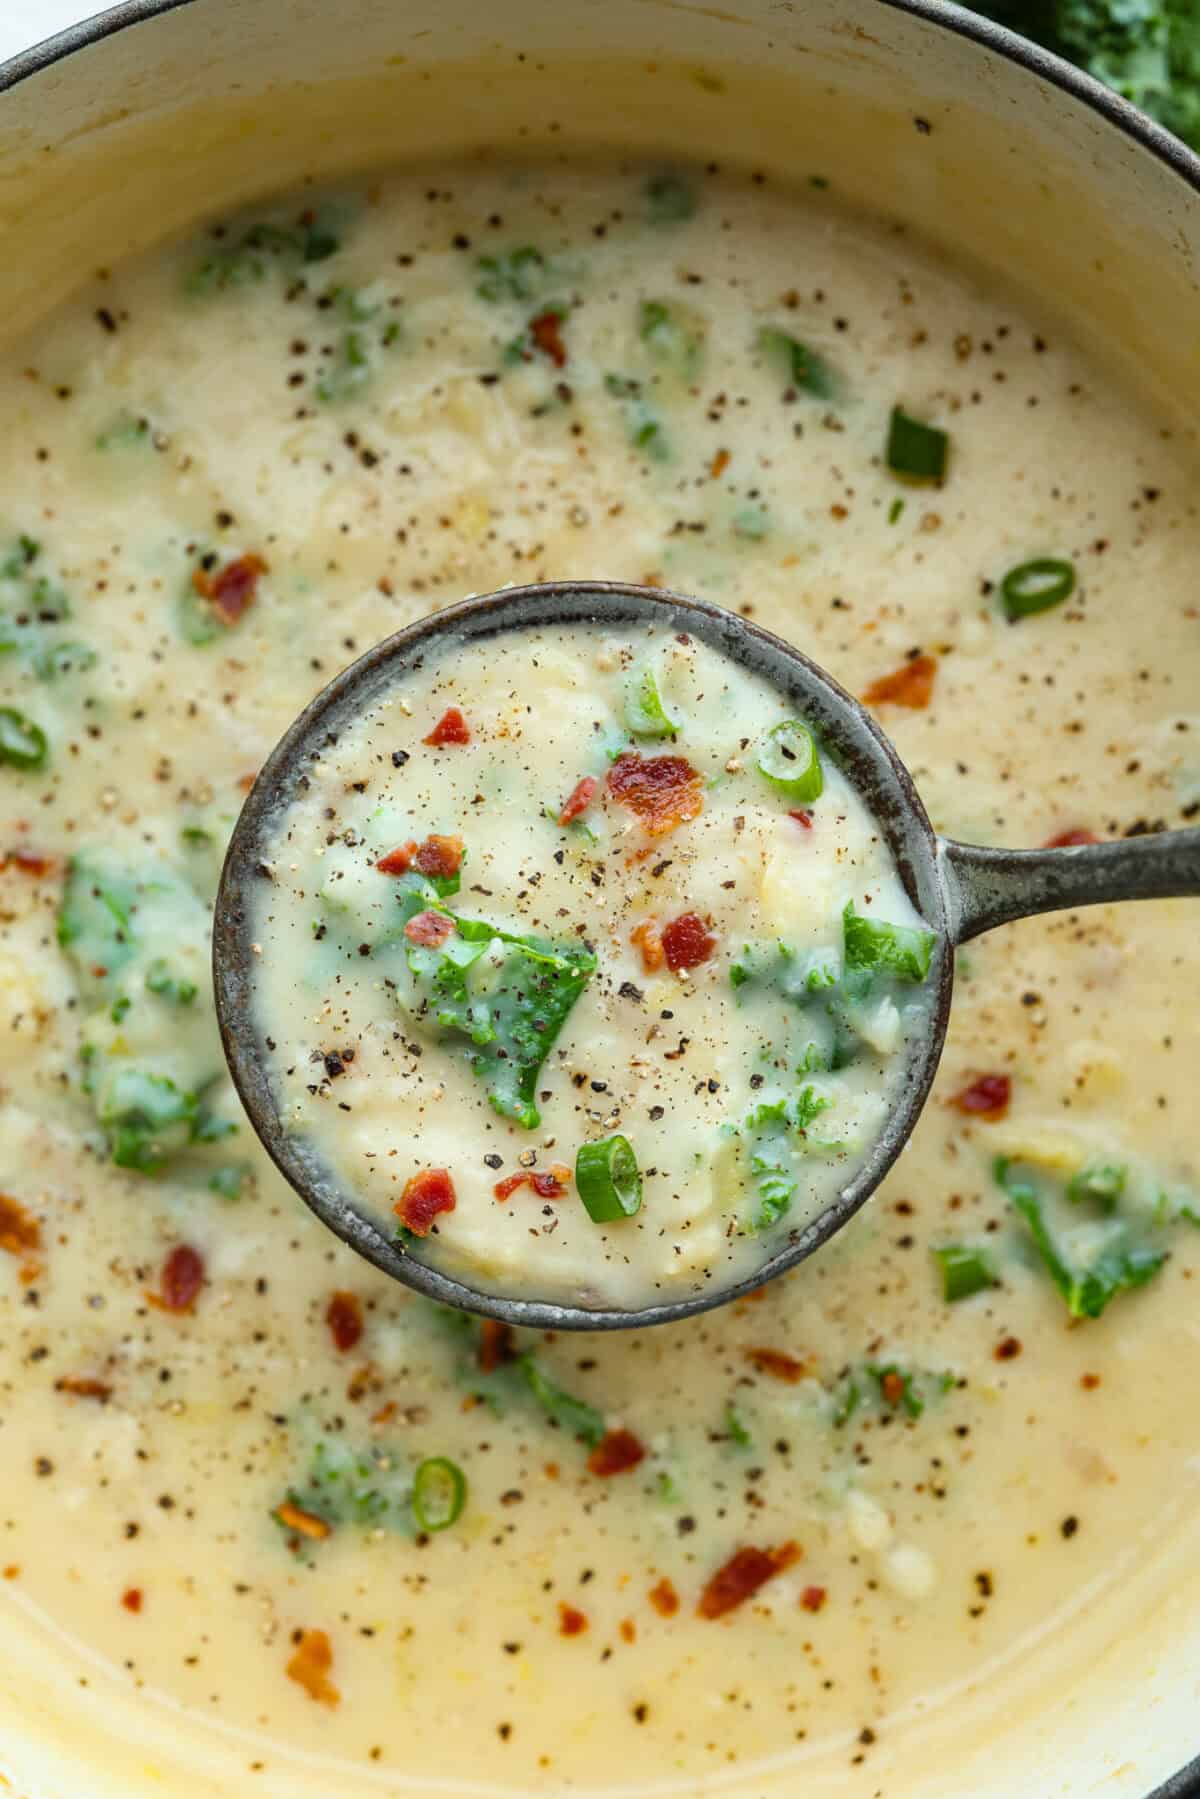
(959, 889)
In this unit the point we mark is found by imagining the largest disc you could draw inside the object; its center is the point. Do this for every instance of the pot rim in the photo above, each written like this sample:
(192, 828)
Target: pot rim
(1042, 64)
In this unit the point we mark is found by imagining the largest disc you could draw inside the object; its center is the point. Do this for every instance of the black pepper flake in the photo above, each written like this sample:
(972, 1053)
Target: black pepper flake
(1069, 1526)
(105, 320)
(399, 758)
(493, 1161)
(627, 990)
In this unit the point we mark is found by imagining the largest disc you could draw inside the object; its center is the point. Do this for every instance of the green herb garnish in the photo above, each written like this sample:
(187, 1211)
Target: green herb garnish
(916, 451)
(802, 368)
(608, 1180)
(439, 1493)
(1118, 1262)
(1036, 586)
(903, 951)
(789, 762)
(965, 1271)
(22, 742)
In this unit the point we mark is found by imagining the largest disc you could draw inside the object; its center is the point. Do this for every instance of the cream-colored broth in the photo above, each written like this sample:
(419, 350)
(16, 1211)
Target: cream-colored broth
(944, 1545)
(713, 1017)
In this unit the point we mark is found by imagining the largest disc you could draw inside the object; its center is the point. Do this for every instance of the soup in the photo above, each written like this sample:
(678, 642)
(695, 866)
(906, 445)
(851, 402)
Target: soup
(796, 1526)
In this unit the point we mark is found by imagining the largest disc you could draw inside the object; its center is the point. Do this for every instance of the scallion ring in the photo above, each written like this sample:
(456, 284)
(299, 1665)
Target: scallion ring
(1036, 586)
(788, 759)
(916, 451)
(608, 1180)
(22, 742)
(439, 1493)
(646, 712)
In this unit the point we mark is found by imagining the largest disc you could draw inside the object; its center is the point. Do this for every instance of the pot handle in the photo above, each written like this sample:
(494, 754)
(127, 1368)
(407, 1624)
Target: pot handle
(988, 887)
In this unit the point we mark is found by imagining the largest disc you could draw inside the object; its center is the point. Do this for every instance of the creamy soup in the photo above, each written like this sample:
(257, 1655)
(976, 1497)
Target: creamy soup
(250, 1479)
(689, 979)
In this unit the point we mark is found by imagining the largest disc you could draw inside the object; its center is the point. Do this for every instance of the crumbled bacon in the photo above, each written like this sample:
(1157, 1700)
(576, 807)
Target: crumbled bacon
(131, 1599)
(84, 1386)
(987, 1096)
(27, 862)
(616, 1453)
(687, 942)
(891, 1385)
(230, 592)
(719, 464)
(440, 856)
(579, 799)
(802, 818)
(451, 727)
(496, 1345)
(813, 1598)
(551, 1184)
(429, 930)
(1066, 840)
(571, 1623)
(778, 1364)
(344, 1316)
(664, 1598)
(645, 937)
(399, 860)
(742, 1576)
(310, 1665)
(19, 1229)
(305, 1524)
(910, 685)
(663, 791)
(180, 1281)
(424, 1196)
(546, 332)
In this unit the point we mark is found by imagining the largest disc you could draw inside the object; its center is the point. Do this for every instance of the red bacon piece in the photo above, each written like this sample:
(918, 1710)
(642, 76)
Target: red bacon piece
(663, 791)
(986, 1097)
(439, 856)
(910, 685)
(778, 1364)
(496, 1345)
(398, 861)
(424, 1196)
(180, 1281)
(742, 1576)
(344, 1316)
(687, 942)
(1068, 839)
(546, 332)
(19, 1229)
(429, 930)
(646, 937)
(231, 590)
(580, 798)
(571, 1622)
(551, 1184)
(664, 1598)
(616, 1453)
(451, 727)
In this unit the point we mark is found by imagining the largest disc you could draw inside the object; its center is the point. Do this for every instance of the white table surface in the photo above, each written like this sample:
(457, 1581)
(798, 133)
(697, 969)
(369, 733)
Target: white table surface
(25, 22)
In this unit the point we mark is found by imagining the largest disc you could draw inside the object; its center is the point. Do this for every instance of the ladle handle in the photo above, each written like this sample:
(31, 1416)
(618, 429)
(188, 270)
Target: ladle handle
(987, 887)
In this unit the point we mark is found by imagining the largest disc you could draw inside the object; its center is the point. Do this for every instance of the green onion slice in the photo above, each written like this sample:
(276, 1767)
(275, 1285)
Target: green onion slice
(916, 451)
(1036, 586)
(608, 1180)
(789, 761)
(1103, 1182)
(22, 743)
(964, 1271)
(646, 713)
(439, 1493)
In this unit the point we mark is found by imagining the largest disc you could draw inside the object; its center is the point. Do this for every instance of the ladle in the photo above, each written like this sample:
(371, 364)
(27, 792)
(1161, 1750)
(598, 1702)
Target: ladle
(960, 890)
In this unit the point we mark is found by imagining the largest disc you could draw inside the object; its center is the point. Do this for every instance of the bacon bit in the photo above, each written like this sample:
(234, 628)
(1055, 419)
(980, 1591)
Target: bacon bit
(551, 1470)
(19, 1229)
(84, 1386)
(1089, 1382)
(246, 782)
(892, 1387)
(364, 1378)
(305, 1524)
(398, 861)
(12, 1571)
(429, 930)
(1068, 839)
(628, 1630)
(580, 798)
(646, 938)
(424, 1196)
(344, 1316)
(451, 727)
(571, 1623)
(1007, 1348)
(385, 1414)
(911, 685)
(546, 333)
(986, 1097)
(742, 1576)
(813, 1598)
(687, 942)
(496, 1345)
(803, 819)
(664, 1598)
(616, 1453)
(719, 464)
(231, 590)
(439, 856)
(131, 1599)
(181, 1280)
(550, 1185)
(663, 791)
(310, 1665)
(777, 1364)
(28, 862)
